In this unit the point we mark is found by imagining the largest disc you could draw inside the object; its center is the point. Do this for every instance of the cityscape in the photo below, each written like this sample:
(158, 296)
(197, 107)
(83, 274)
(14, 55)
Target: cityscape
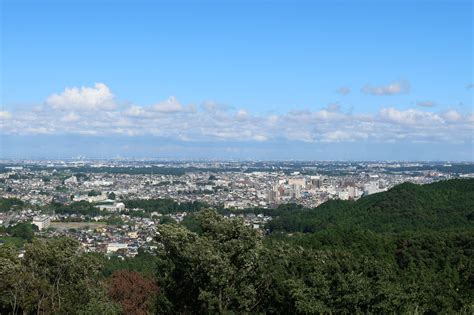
(235, 188)
(270, 157)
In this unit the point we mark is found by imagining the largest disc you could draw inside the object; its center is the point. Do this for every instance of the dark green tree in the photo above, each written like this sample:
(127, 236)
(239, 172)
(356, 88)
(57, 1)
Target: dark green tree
(215, 272)
(52, 278)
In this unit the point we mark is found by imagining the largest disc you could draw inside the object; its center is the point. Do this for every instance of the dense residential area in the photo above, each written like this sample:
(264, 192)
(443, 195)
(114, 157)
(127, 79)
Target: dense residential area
(115, 206)
(271, 237)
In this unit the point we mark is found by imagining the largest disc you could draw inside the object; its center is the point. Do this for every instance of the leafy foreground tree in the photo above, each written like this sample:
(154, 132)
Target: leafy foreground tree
(51, 278)
(227, 267)
(217, 271)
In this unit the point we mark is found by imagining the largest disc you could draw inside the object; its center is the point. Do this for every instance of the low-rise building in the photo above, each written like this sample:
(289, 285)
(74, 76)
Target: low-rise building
(42, 222)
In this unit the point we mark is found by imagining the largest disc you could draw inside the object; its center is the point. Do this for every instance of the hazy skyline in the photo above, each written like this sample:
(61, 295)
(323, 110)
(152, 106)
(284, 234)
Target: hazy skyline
(359, 80)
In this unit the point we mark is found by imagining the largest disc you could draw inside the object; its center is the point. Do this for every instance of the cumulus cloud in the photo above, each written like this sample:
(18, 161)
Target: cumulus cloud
(470, 86)
(408, 117)
(343, 90)
(213, 121)
(212, 106)
(388, 125)
(98, 97)
(71, 117)
(171, 105)
(452, 116)
(241, 115)
(425, 104)
(343, 136)
(136, 111)
(4, 115)
(333, 107)
(394, 88)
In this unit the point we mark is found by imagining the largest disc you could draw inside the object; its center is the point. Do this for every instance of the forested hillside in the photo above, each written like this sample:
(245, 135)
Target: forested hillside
(439, 206)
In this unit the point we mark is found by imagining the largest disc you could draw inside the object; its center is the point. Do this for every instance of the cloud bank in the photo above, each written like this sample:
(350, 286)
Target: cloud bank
(93, 111)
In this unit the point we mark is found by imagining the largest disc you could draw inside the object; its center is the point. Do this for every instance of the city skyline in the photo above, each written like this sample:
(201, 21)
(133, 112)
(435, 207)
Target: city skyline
(268, 80)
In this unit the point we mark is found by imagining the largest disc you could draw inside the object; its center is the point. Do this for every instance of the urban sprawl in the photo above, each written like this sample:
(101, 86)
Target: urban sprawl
(118, 227)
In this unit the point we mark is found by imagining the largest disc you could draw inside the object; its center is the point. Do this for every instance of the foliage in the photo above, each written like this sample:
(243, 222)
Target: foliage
(80, 207)
(115, 220)
(167, 220)
(94, 193)
(17, 242)
(51, 278)
(132, 291)
(430, 272)
(438, 206)
(143, 263)
(7, 204)
(25, 231)
(286, 208)
(215, 272)
(191, 223)
(62, 189)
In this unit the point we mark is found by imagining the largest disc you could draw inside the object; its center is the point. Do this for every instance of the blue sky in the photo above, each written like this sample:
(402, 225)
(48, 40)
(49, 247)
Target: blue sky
(254, 77)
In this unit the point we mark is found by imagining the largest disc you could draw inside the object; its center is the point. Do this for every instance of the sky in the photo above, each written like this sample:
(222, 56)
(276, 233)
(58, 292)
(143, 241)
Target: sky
(306, 80)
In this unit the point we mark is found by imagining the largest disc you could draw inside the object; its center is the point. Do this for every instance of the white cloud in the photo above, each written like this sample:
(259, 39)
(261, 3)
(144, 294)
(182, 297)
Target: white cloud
(470, 118)
(342, 136)
(4, 115)
(241, 115)
(333, 107)
(408, 117)
(452, 116)
(71, 117)
(98, 97)
(260, 138)
(343, 90)
(213, 121)
(212, 106)
(425, 104)
(136, 111)
(470, 86)
(171, 105)
(328, 115)
(394, 88)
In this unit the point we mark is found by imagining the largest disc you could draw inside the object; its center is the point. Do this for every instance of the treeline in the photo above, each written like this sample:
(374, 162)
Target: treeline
(7, 204)
(439, 206)
(22, 231)
(164, 206)
(286, 208)
(78, 207)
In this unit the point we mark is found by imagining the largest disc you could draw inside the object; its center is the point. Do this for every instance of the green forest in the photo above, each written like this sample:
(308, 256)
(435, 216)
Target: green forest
(409, 250)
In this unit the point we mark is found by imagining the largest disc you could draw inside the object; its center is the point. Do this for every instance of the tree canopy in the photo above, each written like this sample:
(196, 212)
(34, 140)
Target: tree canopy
(439, 206)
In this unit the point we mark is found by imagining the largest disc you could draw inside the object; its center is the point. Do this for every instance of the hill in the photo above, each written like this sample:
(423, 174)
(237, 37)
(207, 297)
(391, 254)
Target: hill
(444, 205)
